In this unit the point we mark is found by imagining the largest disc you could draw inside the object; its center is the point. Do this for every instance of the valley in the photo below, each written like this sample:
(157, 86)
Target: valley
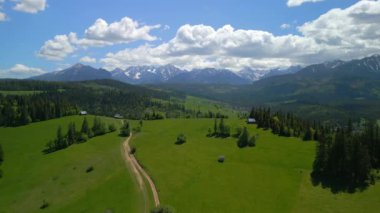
(195, 106)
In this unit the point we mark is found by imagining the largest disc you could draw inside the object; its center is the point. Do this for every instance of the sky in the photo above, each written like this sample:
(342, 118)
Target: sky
(38, 36)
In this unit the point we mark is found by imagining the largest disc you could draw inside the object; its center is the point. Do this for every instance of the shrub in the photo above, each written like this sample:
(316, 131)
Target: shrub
(181, 139)
(112, 127)
(89, 169)
(44, 204)
(132, 151)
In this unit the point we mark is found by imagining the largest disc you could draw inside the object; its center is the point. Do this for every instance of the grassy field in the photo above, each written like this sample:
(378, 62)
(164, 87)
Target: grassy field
(274, 176)
(205, 105)
(60, 178)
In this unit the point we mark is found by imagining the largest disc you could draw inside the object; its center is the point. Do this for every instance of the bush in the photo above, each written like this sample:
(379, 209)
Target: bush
(132, 151)
(221, 159)
(112, 127)
(89, 169)
(44, 204)
(181, 139)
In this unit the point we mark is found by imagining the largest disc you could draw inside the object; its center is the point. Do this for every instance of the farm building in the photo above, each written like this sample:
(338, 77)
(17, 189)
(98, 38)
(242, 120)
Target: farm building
(118, 116)
(83, 113)
(251, 121)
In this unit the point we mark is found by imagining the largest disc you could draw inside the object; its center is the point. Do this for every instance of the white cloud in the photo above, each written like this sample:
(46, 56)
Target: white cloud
(3, 16)
(88, 59)
(295, 3)
(201, 46)
(97, 35)
(338, 34)
(21, 71)
(124, 31)
(57, 48)
(30, 6)
(285, 26)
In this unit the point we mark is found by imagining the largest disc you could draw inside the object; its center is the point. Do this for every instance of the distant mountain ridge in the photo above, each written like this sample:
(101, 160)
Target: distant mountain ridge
(146, 74)
(163, 74)
(77, 72)
(174, 75)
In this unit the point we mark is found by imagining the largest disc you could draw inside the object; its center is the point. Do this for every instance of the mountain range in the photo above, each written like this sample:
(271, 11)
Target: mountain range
(163, 74)
(339, 89)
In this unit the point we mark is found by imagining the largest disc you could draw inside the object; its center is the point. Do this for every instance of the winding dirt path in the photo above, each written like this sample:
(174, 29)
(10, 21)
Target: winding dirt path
(140, 173)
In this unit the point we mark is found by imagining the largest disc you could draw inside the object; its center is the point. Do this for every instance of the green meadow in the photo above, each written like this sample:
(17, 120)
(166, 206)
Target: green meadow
(60, 178)
(274, 176)
(205, 105)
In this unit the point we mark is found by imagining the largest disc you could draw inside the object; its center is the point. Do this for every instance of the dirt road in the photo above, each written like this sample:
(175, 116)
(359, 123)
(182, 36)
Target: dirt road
(140, 174)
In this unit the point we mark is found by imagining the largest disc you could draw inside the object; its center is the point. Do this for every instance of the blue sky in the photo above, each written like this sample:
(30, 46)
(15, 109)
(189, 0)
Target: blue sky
(24, 32)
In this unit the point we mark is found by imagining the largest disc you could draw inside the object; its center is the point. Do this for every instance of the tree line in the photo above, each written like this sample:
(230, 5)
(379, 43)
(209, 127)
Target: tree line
(100, 97)
(220, 129)
(345, 153)
(72, 136)
(348, 156)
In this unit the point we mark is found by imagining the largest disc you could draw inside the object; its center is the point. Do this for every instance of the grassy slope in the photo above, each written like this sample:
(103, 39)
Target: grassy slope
(205, 105)
(272, 177)
(60, 177)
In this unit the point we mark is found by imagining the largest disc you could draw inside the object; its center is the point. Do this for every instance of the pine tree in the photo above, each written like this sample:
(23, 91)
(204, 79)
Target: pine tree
(60, 142)
(85, 127)
(216, 131)
(221, 127)
(24, 117)
(243, 139)
(71, 134)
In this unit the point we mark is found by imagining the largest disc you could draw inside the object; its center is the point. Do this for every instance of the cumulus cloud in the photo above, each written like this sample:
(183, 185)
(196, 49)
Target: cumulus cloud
(295, 3)
(98, 35)
(198, 46)
(338, 34)
(88, 59)
(57, 48)
(30, 6)
(21, 71)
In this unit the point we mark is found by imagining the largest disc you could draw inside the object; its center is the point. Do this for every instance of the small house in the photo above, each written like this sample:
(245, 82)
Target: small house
(251, 121)
(83, 113)
(118, 116)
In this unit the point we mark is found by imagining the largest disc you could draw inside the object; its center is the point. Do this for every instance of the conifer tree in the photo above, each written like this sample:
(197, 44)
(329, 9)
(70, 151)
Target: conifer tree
(216, 130)
(85, 127)
(71, 134)
(243, 139)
